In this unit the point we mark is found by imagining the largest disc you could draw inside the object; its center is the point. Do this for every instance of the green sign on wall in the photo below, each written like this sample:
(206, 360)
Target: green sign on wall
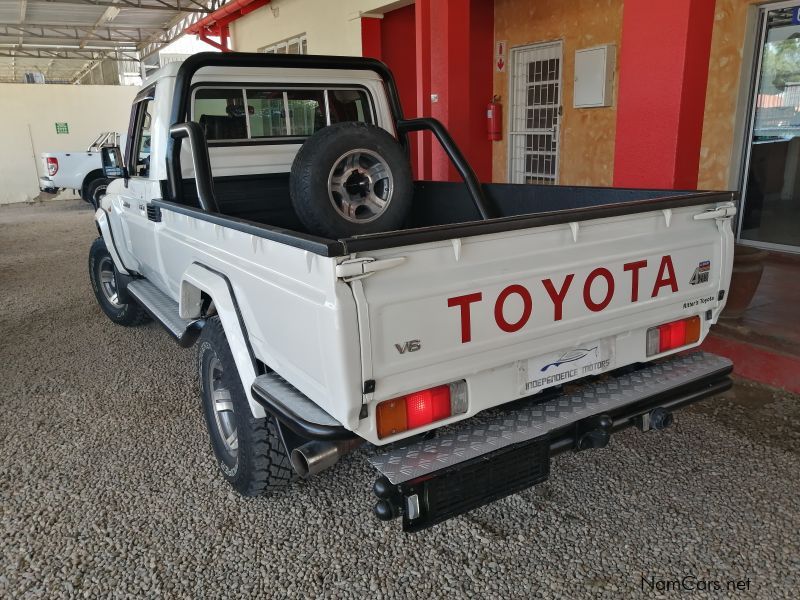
(62, 127)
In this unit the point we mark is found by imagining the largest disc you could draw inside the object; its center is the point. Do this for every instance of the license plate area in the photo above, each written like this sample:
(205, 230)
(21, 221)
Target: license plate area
(556, 368)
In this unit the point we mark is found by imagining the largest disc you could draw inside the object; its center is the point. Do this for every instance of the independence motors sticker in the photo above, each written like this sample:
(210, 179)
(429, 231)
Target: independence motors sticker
(560, 367)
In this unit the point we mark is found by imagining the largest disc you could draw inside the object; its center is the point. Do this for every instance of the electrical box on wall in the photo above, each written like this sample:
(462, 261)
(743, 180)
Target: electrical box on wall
(594, 76)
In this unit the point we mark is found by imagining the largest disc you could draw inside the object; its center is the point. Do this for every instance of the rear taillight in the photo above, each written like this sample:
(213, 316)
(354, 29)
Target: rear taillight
(670, 336)
(52, 165)
(421, 408)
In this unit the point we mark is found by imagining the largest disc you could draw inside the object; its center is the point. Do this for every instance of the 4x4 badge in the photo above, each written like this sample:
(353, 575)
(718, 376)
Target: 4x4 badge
(701, 273)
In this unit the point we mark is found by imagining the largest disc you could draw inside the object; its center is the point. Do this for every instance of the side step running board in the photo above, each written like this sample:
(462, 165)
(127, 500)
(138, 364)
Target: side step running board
(295, 410)
(165, 310)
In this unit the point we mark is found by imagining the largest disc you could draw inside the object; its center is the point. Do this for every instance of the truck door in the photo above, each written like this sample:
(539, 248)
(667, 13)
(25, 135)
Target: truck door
(140, 188)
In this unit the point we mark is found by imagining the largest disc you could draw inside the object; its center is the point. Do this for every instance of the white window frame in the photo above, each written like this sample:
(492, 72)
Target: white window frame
(301, 41)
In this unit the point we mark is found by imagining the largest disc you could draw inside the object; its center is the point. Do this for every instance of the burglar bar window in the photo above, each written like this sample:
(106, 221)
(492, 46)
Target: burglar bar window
(294, 45)
(535, 113)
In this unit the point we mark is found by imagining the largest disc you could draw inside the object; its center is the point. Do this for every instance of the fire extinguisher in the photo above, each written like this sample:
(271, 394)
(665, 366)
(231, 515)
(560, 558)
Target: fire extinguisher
(494, 119)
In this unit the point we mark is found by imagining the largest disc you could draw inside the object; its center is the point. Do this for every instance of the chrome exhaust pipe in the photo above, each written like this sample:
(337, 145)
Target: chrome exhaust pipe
(315, 456)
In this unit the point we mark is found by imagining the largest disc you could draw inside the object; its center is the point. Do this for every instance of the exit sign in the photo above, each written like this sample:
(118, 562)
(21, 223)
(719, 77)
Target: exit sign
(62, 127)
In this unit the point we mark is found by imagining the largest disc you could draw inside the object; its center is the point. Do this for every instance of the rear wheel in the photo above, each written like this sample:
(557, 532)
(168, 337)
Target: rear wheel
(249, 451)
(105, 283)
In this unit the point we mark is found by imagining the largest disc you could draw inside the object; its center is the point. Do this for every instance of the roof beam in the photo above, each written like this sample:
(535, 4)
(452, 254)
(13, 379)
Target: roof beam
(87, 26)
(76, 54)
(165, 6)
(73, 34)
(176, 29)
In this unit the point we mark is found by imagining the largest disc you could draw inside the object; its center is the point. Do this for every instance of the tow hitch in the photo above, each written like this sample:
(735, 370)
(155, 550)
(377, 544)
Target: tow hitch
(594, 432)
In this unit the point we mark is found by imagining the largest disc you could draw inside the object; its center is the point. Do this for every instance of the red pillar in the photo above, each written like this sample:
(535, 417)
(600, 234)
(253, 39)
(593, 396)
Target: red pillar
(457, 68)
(662, 89)
(398, 43)
(422, 41)
(371, 37)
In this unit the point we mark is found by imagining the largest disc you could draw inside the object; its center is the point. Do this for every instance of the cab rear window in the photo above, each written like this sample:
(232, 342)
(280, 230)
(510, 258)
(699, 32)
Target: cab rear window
(254, 113)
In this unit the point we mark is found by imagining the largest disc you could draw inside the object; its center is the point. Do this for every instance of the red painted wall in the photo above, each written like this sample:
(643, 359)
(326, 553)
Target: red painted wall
(462, 44)
(392, 39)
(422, 41)
(443, 47)
(663, 77)
(398, 50)
(371, 37)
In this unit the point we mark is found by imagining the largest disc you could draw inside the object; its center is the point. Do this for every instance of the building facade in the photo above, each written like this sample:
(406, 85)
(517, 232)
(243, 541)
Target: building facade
(640, 93)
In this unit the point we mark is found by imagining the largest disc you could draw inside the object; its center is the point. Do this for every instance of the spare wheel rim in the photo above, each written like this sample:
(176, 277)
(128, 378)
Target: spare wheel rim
(360, 185)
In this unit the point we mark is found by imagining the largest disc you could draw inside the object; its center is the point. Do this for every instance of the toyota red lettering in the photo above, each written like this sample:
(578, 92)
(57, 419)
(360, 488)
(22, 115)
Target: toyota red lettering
(598, 290)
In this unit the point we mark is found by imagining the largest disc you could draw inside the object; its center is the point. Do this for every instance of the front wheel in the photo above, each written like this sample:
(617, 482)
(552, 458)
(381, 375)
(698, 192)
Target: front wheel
(249, 451)
(105, 283)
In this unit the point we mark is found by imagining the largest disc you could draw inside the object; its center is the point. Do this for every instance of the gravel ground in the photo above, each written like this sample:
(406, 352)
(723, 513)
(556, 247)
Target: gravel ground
(109, 487)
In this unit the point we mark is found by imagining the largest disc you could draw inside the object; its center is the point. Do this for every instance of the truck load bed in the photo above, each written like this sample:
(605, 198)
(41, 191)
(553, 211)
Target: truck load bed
(263, 200)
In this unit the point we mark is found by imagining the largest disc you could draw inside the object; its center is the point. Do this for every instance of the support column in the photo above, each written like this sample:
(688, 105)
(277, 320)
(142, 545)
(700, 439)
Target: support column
(664, 59)
(455, 40)
(422, 38)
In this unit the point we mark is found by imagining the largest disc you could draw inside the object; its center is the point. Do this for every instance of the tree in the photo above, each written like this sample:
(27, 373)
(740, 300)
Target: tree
(781, 64)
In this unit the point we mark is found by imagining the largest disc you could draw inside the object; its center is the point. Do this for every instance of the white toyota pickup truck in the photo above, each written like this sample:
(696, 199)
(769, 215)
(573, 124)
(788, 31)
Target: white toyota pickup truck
(81, 171)
(490, 327)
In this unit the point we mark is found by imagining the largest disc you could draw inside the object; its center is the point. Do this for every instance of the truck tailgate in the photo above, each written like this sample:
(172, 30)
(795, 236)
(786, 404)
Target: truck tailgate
(519, 311)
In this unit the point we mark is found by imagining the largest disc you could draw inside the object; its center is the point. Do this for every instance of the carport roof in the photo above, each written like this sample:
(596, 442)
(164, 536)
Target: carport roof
(62, 39)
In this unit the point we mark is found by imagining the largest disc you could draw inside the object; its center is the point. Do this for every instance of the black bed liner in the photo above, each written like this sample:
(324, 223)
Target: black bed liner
(443, 211)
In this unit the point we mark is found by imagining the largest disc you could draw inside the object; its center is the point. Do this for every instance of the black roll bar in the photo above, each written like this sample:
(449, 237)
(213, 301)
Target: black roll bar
(456, 157)
(200, 162)
(181, 129)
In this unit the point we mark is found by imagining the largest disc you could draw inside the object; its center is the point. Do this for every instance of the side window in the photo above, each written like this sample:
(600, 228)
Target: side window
(235, 114)
(349, 105)
(267, 113)
(221, 113)
(141, 166)
(306, 111)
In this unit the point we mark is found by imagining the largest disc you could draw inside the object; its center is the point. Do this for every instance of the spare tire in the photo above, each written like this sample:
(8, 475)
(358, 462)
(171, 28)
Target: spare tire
(350, 179)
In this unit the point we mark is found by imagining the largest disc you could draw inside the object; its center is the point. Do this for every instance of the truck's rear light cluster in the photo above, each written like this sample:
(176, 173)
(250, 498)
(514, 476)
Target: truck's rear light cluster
(670, 336)
(52, 165)
(421, 408)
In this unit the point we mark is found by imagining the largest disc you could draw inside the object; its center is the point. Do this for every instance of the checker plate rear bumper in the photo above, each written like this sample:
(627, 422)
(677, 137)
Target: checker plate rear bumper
(467, 459)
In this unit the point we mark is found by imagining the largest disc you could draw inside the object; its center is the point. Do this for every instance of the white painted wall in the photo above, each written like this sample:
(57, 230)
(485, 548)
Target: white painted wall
(28, 114)
(332, 26)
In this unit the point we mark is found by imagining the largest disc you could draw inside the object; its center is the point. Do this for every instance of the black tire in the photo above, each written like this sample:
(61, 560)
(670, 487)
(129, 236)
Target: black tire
(258, 464)
(101, 267)
(356, 207)
(95, 190)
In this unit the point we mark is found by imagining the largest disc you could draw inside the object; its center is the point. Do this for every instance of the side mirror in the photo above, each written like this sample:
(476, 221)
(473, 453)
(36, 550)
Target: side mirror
(113, 165)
